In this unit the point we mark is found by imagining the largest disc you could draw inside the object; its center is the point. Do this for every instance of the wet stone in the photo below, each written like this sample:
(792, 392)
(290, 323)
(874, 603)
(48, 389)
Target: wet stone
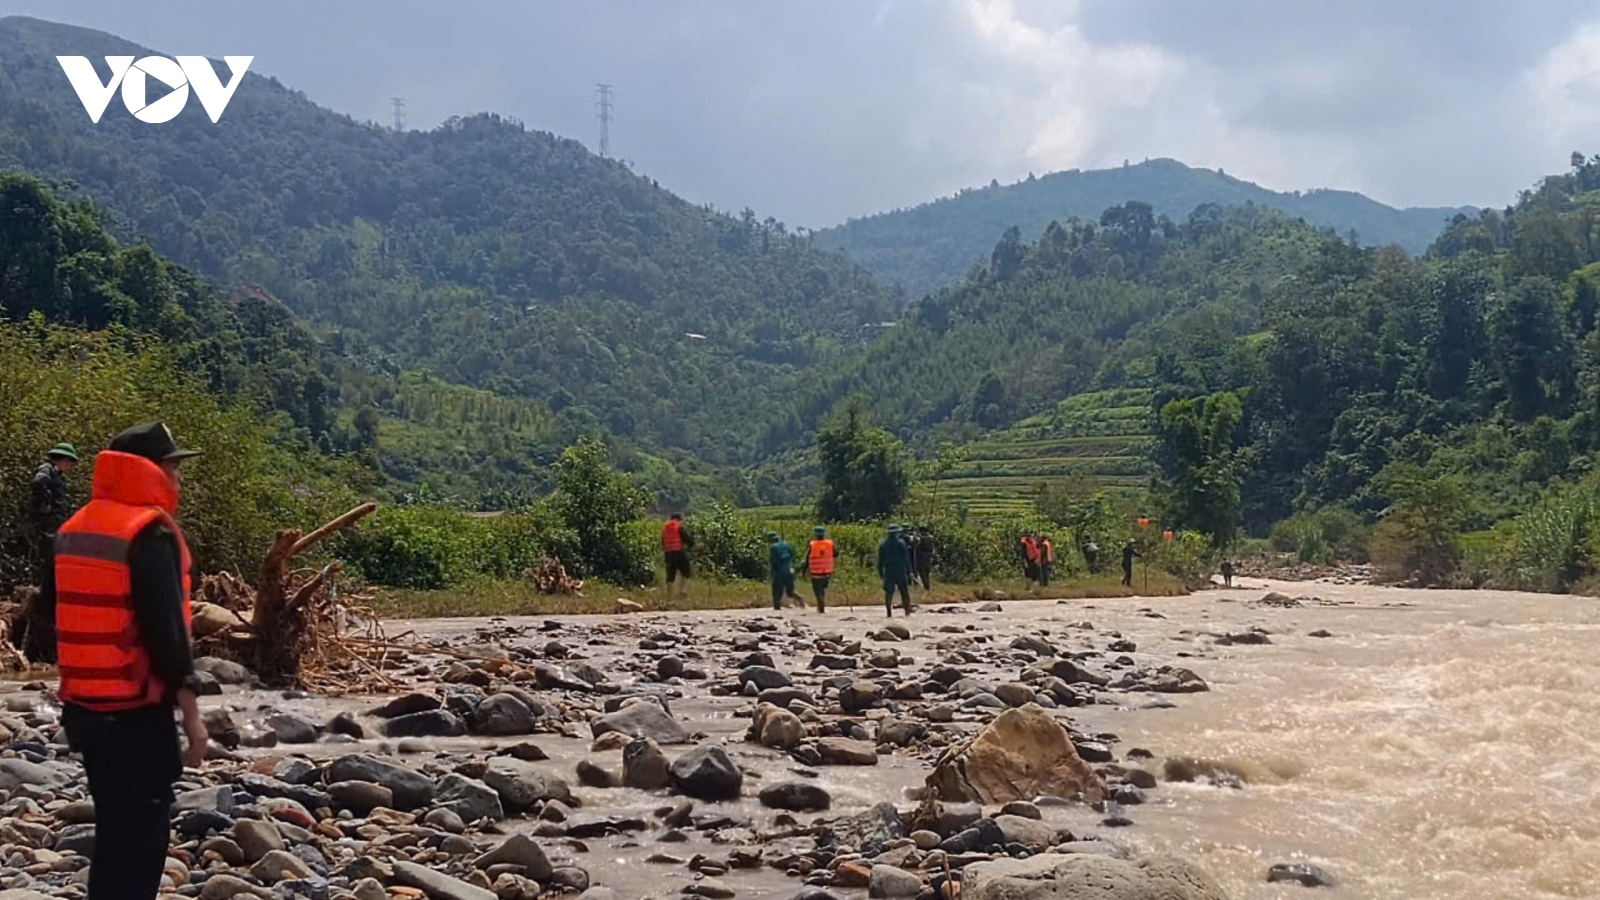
(1304, 874)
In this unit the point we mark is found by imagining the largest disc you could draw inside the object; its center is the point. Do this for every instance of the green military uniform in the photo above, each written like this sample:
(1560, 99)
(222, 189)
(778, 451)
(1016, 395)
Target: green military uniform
(894, 567)
(780, 560)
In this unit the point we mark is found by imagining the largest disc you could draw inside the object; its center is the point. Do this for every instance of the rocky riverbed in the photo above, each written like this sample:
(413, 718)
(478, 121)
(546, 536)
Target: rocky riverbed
(729, 754)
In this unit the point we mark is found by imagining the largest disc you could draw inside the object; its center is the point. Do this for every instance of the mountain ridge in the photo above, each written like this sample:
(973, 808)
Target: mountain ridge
(931, 245)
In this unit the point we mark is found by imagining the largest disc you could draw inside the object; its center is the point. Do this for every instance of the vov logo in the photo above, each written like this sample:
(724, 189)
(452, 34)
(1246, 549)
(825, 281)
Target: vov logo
(188, 71)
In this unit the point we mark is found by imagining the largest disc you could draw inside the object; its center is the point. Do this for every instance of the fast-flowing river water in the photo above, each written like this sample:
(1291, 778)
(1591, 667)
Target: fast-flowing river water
(1440, 744)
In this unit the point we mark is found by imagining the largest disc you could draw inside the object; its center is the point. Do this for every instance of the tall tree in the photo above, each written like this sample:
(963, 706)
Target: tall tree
(864, 469)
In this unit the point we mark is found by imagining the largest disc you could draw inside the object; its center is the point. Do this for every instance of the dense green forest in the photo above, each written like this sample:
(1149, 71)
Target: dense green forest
(932, 245)
(489, 255)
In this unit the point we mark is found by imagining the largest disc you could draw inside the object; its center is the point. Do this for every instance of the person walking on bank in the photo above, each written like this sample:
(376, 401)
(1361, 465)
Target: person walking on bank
(1091, 556)
(1047, 560)
(922, 560)
(780, 559)
(1129, 552)
(894, 567)
(1030, 559)
(676, 541)
(1227, 573)
(122, 617)
(819, 565)
(49, 510)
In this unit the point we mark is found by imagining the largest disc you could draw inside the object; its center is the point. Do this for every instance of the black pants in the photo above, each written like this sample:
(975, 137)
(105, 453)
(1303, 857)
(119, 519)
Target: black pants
(1127, 574)
(131, 759)
(925, 575)
(1044, 574)
(819, 587)
(677, 564)
(39, 643)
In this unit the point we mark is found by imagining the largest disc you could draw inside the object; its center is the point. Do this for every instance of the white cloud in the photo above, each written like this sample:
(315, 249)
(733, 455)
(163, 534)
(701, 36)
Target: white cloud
(1563, 93)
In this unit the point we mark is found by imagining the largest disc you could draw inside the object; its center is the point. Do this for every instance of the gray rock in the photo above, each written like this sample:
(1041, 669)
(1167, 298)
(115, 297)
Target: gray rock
(870, 830)
(78, 812)
(411, 789)
(644, 766)
(293, 728)
(888, 881)
(502, 714)
(433, 723)
(1035, 645)
(445, 820)
(815, 893)
(360, 797)
(764, 678)
(782, 697)
(264, 786)
(1030, 833)
(1072, 673)
(296, 770)
(518, 850)
(859, 696)
(706, 773)
(219, 798)
(1014, 694)
(280, 865)
(17, 772)
(1055, 876)
(1304, 874)
(598, 893)
(846, 752)
(592, 774)
(200, 822)
(521, 791)
(222, 886)
(77, 839)
(641, 719)
(406, 705)
(345, 723)
(571, 878)
(796, 796)
(224, 671)
(469, 798)
(256, 838)
(438, 885)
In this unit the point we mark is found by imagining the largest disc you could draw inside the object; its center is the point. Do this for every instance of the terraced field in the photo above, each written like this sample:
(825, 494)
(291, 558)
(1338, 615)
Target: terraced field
(1098, 440)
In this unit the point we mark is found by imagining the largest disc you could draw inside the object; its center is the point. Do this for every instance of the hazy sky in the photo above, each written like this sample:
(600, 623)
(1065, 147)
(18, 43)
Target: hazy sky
(814, 110)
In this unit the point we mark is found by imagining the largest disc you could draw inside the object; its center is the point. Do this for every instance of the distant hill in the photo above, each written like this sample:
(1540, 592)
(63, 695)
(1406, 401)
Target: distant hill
(932, 245)
(491, 255)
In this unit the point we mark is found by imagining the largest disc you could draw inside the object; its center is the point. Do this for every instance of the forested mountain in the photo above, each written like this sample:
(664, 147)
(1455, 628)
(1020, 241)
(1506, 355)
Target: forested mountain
(500, 258)
(932, 245)
(1086, 307)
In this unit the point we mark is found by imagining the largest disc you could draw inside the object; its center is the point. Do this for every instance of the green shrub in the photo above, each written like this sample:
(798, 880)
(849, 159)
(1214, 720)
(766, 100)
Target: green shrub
(430, 547)
(1556, 544)
(727, 544)
(1326, 536)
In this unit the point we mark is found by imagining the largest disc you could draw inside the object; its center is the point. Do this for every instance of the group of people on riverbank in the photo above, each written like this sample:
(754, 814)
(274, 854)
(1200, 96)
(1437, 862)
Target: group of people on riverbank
(905, 556)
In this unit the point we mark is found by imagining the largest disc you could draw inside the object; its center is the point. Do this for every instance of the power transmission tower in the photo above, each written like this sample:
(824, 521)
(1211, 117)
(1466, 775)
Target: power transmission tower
(602, 105)
(398, 106)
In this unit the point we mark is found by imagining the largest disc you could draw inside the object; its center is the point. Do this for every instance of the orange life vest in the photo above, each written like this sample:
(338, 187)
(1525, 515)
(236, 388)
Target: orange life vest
(1049, 552)
(820, 561)
(104, 664)
(1030, 550)
(672, 536)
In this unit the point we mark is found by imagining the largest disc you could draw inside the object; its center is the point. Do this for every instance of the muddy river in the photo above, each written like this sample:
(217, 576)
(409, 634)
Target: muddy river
(1431, 744)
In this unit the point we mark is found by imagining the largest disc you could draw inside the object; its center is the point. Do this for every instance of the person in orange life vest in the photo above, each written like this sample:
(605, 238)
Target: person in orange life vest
(122, 625)
(1030, 558)
(819, 565)
(1047, 559)
(676, 542)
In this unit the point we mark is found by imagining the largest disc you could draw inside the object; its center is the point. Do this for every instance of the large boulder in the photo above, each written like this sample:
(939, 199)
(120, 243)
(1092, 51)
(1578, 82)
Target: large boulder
(522, 789)
(518, 850)
(502, 714)
(1022, 754)
(469, 798)
(771, 726)
(641, 719)
(644, 766)
(706, 773)
(209, 618)
(1082, 876)
(433, 723)
(411, 789)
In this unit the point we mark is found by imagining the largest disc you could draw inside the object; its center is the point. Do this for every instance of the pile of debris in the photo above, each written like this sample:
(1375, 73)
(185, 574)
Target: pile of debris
(294, 629)
(551, 578)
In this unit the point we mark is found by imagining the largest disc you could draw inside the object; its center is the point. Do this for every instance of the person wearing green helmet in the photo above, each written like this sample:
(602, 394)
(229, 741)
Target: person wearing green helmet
(780, 561)
(50, 507)
(894, 567)
(819, 565)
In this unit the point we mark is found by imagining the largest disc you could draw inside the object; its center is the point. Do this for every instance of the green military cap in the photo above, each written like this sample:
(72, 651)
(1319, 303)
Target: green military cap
(64, 451)
(772, 535)
(894, 529)
(819, 531)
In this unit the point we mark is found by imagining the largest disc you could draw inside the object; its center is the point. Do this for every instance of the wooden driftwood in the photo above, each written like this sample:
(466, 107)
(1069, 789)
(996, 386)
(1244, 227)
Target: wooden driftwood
(287, 623)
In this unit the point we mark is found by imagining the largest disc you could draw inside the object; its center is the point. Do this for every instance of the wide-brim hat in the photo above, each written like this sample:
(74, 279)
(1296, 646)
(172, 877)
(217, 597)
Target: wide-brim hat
(153, 442)
(63, 451)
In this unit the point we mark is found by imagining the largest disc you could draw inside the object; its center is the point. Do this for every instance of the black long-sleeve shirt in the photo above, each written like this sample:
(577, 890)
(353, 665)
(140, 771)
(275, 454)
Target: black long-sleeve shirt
(156, 573)
(51, 505)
